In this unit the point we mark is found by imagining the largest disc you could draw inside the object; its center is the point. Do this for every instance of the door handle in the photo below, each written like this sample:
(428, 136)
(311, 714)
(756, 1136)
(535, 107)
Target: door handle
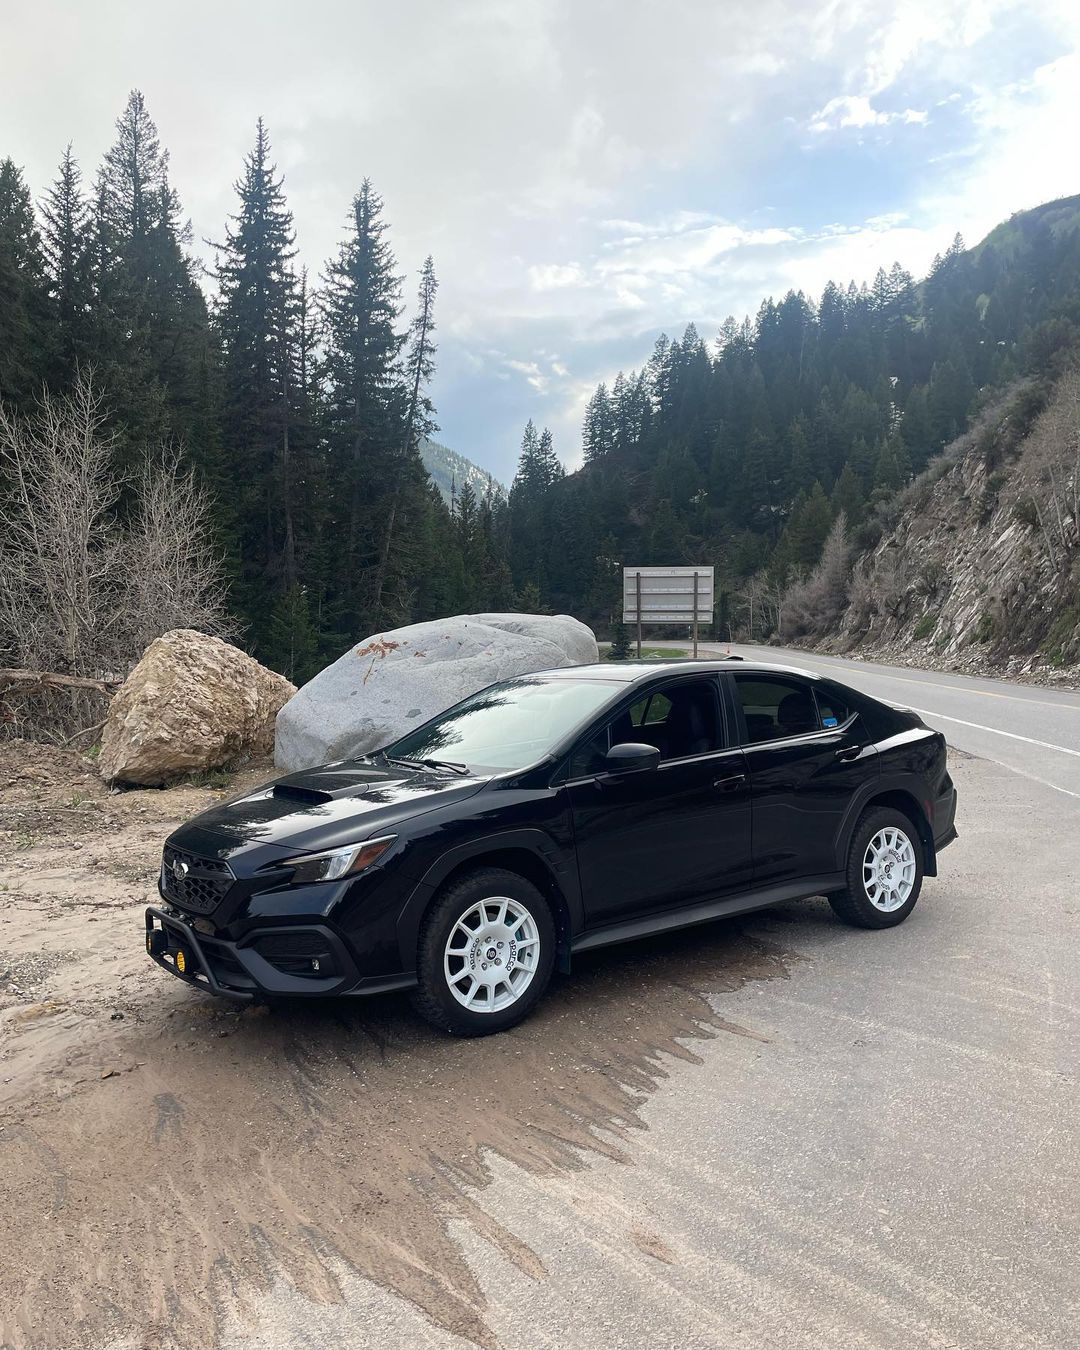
(847, 752)
(730, 783)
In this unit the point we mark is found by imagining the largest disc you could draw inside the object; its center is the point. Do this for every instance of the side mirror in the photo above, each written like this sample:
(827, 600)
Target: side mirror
(631, 758)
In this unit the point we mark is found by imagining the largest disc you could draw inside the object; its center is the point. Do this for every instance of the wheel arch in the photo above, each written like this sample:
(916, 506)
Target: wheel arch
(528, 853)
(904, 800)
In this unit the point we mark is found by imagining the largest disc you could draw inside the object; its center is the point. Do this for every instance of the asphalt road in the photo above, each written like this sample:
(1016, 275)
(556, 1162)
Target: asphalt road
(848, 1140)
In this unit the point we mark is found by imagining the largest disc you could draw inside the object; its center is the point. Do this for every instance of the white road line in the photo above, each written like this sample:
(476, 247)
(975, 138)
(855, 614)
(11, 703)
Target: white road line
(1012, 735)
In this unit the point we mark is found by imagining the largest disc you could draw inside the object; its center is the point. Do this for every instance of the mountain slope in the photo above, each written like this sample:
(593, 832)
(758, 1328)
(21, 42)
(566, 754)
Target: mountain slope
(743, 451)
(977, 566)
(450, 471)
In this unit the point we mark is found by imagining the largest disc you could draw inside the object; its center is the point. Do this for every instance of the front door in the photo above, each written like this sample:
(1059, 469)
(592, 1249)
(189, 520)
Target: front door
(667, 837)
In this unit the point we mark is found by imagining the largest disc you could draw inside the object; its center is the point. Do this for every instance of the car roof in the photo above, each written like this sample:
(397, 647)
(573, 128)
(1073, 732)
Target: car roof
(632, 671)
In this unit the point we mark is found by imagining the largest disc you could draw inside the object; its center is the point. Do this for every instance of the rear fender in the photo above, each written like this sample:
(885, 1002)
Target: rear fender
(907, 793)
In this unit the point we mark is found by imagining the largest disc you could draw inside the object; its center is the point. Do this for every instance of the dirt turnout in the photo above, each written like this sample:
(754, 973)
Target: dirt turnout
(164, 1157)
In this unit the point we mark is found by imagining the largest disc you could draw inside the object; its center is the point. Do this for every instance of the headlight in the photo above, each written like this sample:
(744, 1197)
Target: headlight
(338, 862)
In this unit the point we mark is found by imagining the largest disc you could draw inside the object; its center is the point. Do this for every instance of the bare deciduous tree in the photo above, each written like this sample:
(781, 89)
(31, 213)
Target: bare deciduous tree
(81, 594)
(60, 572)
(173, 576)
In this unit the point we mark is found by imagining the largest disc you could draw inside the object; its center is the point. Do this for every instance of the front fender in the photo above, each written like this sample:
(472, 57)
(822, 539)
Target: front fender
(557, 859)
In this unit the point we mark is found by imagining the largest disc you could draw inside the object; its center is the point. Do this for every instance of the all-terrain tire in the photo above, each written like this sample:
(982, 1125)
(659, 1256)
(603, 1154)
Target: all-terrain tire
(883, 886)
(522, 945)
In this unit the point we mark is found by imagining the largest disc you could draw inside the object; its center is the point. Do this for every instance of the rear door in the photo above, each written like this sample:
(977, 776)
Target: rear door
(663, 838)
(807, 754)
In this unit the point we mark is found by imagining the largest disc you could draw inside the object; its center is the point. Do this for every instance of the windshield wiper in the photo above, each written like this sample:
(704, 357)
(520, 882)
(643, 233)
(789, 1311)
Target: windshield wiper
(426, 763)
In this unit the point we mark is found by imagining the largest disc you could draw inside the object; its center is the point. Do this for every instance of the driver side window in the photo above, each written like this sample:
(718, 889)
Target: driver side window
(681, 719)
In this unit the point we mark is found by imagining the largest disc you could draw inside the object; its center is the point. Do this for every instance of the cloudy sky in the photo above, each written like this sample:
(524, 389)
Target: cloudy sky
(587, 173)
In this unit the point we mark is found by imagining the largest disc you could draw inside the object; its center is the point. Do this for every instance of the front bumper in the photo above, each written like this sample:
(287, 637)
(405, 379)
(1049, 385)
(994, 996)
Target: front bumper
(238, 970)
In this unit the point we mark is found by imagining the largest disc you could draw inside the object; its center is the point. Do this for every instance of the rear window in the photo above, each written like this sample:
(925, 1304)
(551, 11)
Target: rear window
(832, 712)
(776, 707)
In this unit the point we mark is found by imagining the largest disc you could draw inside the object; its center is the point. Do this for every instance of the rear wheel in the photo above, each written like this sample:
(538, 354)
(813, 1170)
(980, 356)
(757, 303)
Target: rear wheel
(884, 871)
(487, 949)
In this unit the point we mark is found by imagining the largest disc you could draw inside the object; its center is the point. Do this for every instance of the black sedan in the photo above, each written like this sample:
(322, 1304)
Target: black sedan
(549, 814)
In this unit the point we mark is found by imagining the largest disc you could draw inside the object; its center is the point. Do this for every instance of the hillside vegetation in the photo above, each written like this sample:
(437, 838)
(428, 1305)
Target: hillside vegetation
(451, 472)
(294, 413)
(746, 455)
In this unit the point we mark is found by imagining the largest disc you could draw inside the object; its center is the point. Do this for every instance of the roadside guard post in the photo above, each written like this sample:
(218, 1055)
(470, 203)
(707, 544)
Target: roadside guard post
(668, 595)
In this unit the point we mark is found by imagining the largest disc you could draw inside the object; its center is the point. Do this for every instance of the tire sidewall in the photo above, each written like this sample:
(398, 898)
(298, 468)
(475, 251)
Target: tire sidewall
(874, 821)
(435, 999)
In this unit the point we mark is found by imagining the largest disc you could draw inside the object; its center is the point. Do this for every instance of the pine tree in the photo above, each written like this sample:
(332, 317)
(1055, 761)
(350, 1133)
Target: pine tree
(539, 470)
(598, 432)
(365, 396)
(25, 329)
(152, 328)
(806, 531)
(257, 321)
(549, 464)
(67, 243)
(847, 496)
(292, 641)
(620, 643)
(419, 420)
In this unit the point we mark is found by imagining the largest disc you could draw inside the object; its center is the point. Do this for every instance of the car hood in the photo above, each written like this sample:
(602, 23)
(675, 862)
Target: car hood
(319, 808)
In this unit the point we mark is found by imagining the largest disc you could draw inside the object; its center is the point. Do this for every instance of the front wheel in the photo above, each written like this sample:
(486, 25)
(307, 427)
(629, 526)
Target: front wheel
(486, 953)
(884, 871)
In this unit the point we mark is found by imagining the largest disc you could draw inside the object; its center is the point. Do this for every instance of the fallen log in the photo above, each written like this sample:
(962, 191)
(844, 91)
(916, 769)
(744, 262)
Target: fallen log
(49, 679)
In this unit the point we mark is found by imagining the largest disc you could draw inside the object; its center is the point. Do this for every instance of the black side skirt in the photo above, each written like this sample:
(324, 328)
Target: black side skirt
(800, 889)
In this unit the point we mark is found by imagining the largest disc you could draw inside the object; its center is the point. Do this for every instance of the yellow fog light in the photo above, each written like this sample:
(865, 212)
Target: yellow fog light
(181, 961)
(149, 943)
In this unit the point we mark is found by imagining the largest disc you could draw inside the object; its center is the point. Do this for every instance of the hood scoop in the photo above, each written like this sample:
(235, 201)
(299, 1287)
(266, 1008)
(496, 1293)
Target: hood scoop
(327, 785)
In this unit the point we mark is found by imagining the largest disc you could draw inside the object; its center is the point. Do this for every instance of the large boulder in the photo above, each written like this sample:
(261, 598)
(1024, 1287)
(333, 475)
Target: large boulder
(192, 703)
(394, 681)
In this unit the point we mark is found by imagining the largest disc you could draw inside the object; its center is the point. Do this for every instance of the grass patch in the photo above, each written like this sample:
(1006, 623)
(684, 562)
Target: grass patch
(925, 627)
(211, 778)
(649, 653)
(1058, 645)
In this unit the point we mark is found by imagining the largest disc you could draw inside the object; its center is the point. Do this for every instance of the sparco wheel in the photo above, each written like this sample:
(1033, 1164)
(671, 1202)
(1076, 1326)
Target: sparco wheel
(486, 952)
(884, 871)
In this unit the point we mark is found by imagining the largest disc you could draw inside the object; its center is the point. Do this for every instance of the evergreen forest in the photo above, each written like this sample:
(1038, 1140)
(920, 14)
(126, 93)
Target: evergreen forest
(301, 403)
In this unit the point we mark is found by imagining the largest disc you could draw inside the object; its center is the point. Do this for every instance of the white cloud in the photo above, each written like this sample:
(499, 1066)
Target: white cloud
(583, 181)
(856, 110)
(552, 276)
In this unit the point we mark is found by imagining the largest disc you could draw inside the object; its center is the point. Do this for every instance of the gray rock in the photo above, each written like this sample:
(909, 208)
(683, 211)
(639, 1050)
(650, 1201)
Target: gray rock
(576, 640)
(395, 681)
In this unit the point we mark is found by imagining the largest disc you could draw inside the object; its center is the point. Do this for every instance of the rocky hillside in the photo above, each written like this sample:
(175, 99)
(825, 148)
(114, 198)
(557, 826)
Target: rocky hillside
(450, 471)
(979, 563)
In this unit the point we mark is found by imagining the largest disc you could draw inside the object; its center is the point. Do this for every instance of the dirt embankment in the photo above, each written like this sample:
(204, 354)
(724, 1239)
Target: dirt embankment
(165, 1158)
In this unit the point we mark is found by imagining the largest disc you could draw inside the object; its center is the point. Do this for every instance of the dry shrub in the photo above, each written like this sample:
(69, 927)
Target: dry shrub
(817, 604)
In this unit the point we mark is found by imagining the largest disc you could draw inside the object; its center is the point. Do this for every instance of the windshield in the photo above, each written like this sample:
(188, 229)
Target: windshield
(508, 726)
